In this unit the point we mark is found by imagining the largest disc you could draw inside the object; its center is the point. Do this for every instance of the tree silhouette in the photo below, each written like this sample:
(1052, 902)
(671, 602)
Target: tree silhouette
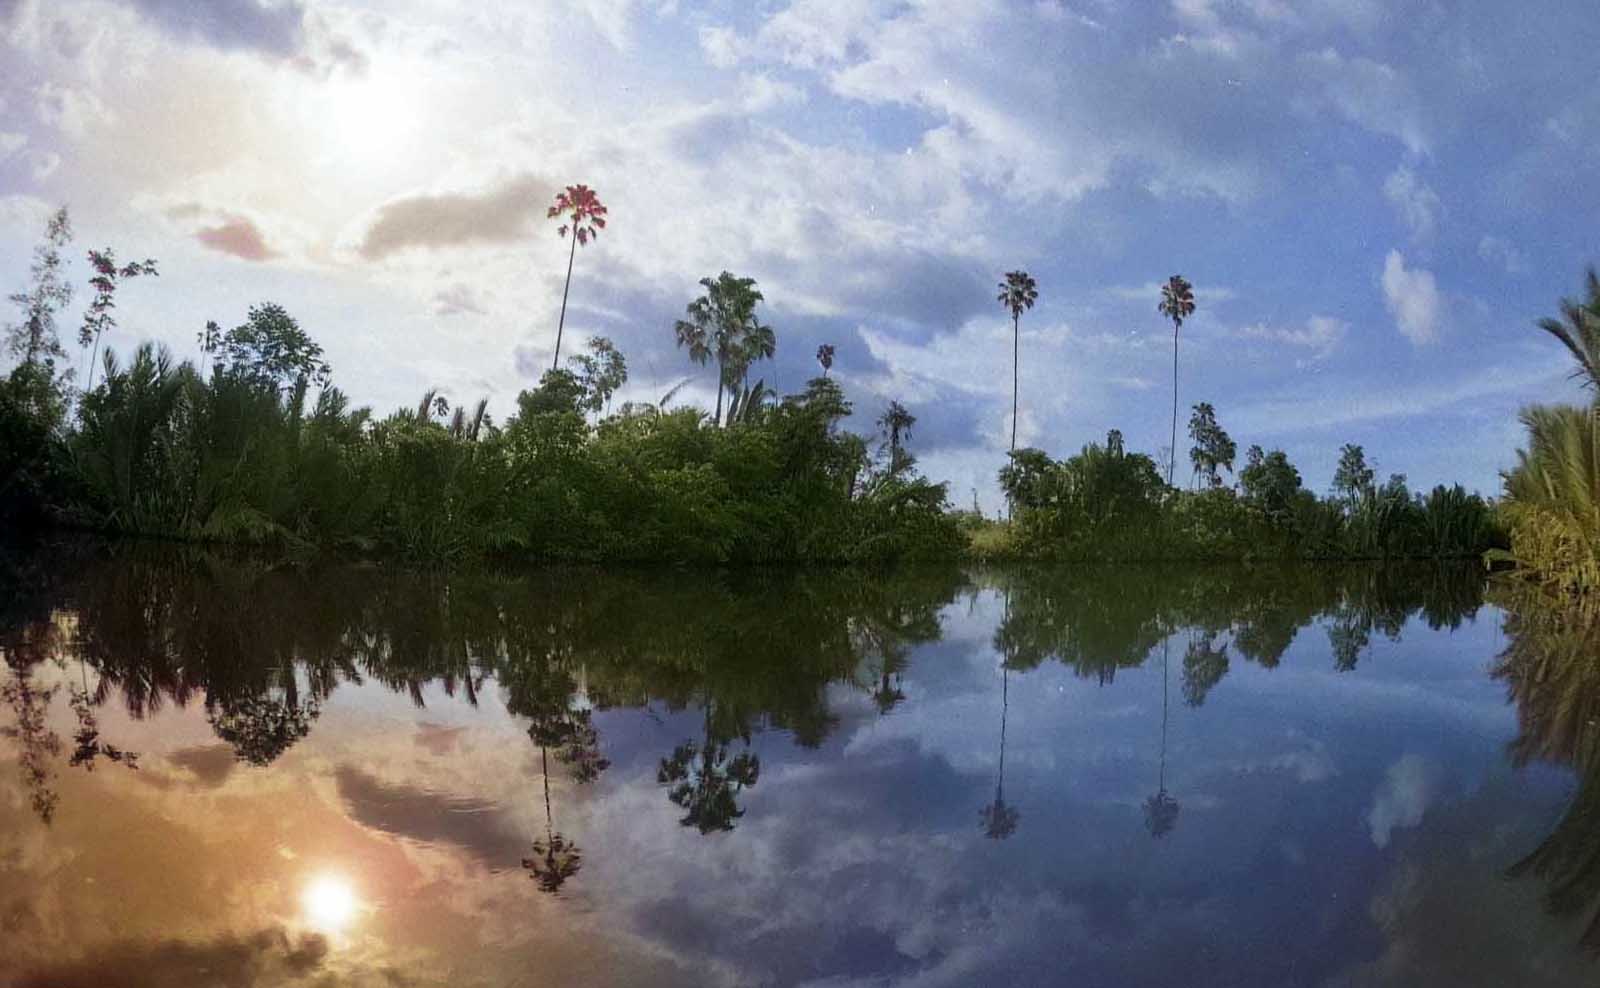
(97, 319)
(895, 423)
(1017, 294)
(825, 357)
(1177, 304)
(34, 340)
(583, 216)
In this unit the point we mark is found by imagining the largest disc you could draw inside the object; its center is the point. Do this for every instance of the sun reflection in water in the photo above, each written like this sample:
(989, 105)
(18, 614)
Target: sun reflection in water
(329, 903)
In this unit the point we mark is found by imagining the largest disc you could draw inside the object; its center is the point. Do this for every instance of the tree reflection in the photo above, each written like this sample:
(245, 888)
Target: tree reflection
(1161, 810)
(706, 778)
(1551, 667)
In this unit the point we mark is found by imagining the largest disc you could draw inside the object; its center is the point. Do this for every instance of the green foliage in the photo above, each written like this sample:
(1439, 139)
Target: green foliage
(271, 349)
(1213, 449)
(1106, 504)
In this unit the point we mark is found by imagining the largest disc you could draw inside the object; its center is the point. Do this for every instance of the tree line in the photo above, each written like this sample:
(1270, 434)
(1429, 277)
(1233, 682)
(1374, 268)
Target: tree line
(251, 441)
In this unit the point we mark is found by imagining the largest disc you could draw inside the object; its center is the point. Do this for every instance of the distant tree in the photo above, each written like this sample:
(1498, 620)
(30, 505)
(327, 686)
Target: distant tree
(895, 424)
(601, 371)
(558, 391)
(97, 319)
(722, 324)
(1177, 304)
(583, 216)
(1213, 448)
(34, 340)
(1578, 329)
(1017, 293)
(1023, 479)
(825, 357)
(1270, 480)
(1353, 477)
(271, 349)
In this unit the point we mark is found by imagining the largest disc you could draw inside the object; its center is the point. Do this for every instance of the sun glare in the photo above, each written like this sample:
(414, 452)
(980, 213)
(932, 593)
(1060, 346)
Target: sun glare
(329, 903)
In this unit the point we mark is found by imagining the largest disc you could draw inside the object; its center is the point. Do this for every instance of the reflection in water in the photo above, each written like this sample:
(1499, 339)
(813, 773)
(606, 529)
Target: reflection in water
(1551, 667)
(329, 903)
(819, 687)
(1161, 810)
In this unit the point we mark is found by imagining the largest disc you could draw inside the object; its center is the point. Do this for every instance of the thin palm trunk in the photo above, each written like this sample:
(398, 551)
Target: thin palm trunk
(562, 322)
(94, 355)
(1016, 349)
(1172, 456)
(719, 394)
(549, 818)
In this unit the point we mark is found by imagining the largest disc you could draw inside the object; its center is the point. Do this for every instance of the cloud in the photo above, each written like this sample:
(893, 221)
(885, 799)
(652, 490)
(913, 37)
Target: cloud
(210, 763)
(474, 825)
(497, 215)
(268, 956)
(1322, 334)
(1416, 203)
(275, 28)
(1372, 95)
(458, 299)
(1502, 253)
(238, 236)
(1401, 799)
(1412, 297)
(10, 143)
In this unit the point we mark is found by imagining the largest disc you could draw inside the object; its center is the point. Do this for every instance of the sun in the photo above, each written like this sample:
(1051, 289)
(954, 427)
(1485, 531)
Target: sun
(329, 903)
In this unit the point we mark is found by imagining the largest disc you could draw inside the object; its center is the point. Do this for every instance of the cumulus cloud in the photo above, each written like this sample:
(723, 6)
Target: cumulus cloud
(1321, 334)
(474, 825)
(497, 215)
(1412, 297)
(1415, 202)
(1401, 799)
(1503, 254)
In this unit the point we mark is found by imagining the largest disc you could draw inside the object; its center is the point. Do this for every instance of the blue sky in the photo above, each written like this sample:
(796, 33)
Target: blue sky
(1374, 200)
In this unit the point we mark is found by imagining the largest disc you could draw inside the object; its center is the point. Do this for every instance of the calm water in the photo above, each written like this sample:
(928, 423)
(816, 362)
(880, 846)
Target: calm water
(219, 773)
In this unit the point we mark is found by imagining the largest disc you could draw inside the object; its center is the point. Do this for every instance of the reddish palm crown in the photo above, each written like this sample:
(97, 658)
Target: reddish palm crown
(585, 215)
(1177, 300)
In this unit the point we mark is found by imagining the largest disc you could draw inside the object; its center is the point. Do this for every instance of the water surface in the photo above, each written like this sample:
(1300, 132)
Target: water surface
(216, 771)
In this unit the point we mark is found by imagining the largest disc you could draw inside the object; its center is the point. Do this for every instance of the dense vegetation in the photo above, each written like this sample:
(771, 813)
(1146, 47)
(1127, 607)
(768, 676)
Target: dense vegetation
(1552, 495)
(252, 443)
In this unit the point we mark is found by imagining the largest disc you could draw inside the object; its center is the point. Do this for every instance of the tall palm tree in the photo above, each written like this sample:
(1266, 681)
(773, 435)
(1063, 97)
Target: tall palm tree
(1017, 292)
(1578, 329)
(584, 216)
(1177, 304)
(825, 357)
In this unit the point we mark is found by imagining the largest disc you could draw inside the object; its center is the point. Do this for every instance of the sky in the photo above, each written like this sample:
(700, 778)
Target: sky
(1375, 201)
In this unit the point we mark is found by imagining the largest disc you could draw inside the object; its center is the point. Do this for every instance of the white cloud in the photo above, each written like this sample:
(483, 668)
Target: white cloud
(1321, 335)
(1372, 95)
(1502, 253)
(1401, 799)
(1415, 201)
(1412, 297)
(10, 144)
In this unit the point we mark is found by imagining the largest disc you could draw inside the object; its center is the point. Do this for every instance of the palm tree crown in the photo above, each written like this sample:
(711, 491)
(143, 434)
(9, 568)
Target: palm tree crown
(1578, 329)
(1177, 300)
(1018, 292)
(584, 215)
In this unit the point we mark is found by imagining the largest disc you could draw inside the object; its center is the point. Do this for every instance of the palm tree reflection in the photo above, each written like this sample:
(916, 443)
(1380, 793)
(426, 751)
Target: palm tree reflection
(1161, 809)
(1000, 818)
